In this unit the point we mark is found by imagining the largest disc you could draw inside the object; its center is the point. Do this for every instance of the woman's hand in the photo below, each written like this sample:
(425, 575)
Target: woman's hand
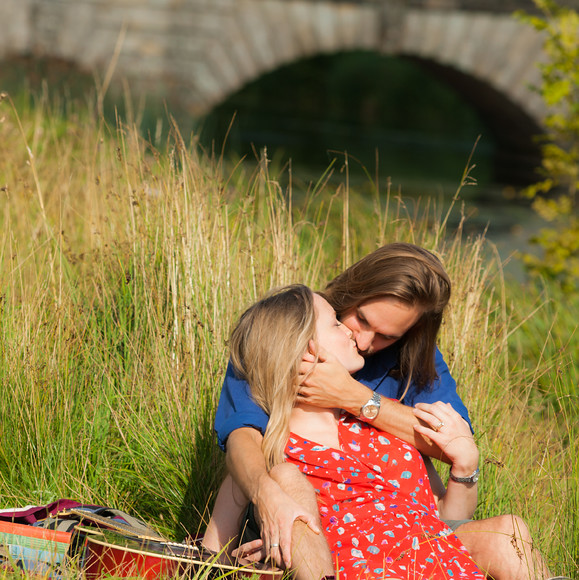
(326, 383)
(451, 433)
(250, 551)
(447, 429)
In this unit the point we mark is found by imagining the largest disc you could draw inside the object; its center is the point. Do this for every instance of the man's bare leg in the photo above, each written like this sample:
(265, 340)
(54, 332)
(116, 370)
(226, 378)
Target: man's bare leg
(225, 523)
(311, 557)
(503, 548)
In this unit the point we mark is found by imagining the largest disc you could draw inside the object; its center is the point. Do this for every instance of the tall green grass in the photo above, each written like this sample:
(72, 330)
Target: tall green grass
(123, 267)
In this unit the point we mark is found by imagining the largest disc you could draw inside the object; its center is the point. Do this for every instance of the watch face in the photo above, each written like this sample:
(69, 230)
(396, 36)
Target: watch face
(370, 411)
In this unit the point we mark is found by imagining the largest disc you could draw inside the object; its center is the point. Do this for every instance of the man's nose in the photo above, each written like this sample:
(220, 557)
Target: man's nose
(364, 340)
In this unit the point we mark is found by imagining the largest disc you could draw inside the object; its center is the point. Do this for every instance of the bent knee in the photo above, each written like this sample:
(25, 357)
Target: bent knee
(514, 526)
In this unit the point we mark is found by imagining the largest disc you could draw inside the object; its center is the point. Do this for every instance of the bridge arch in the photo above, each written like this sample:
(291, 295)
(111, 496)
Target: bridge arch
(490, 59)
(203, 51)
(493, 49)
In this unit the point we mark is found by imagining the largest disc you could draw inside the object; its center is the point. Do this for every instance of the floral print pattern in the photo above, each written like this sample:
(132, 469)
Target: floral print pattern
(377, 507)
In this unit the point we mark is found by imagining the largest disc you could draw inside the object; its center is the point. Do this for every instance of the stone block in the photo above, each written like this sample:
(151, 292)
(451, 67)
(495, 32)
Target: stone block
(324, 26)
(301, 24)
(414, 24)
(282, 40)
(434, 32)
(239, 46)
(369, 36)
(456, 37)
(15, 32)
(389, 24)
(220, 62)
(525, 49)
(476, 50)
(348, 25)
(206, 84)
(498, 54)
(254, 26)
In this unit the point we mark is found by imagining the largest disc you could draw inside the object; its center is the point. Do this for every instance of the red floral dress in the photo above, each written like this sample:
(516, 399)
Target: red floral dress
(377, 507)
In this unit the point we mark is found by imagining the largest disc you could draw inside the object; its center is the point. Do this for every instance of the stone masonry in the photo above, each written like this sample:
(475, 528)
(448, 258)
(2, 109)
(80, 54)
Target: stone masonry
(197, 52)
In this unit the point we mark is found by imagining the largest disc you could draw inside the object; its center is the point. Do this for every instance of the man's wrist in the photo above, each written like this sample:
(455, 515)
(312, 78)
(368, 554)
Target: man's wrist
(262, 482)
(371, 408)
(360, 396)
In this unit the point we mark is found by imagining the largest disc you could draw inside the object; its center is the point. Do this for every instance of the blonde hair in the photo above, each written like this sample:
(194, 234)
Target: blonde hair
(412, 275)
(266, 349)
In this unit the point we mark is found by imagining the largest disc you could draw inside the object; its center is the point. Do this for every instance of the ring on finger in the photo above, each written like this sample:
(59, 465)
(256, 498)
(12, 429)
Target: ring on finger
(274, 545)
(439, 426)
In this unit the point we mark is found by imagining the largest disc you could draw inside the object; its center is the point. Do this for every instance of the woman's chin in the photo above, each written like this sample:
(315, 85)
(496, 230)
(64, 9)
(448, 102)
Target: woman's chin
(354, 368)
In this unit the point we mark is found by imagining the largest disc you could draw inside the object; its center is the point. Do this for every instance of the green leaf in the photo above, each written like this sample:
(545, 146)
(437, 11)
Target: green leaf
(555, 92)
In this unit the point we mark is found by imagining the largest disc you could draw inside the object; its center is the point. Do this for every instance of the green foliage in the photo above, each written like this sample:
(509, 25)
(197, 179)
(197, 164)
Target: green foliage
(555, 196)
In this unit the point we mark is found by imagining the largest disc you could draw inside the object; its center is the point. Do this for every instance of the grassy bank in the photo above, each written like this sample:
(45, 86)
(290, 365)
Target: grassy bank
(122, 269)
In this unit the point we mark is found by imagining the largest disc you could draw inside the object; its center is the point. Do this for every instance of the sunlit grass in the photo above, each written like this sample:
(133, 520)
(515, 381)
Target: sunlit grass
(123, 268)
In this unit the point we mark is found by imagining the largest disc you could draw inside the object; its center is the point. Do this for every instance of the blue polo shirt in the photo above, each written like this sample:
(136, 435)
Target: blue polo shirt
(237, 409)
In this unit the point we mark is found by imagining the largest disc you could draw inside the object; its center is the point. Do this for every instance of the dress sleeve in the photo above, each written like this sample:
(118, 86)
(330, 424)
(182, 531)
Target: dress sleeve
(443, 389)
(236, 408)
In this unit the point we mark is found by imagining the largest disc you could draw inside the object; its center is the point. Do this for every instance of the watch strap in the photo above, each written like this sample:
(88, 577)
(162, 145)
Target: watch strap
(470, 479)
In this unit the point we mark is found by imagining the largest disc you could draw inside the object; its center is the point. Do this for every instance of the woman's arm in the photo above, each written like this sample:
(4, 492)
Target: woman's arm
(438, 488)
(455, 440)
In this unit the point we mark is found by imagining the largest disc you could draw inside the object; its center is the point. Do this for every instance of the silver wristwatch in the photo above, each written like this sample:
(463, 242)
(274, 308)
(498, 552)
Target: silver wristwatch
(470, 479)
(370, 410)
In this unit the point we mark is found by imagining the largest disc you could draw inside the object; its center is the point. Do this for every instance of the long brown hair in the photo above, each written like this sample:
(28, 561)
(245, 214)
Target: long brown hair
(266, 349)
(412, 275)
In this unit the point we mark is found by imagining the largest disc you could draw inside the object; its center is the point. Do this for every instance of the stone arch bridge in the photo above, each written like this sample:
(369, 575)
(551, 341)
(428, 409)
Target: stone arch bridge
(198, 52)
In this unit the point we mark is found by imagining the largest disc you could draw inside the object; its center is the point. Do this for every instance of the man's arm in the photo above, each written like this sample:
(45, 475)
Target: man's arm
(328, 384)
(239, 424)
(236, 409)
(277, 511)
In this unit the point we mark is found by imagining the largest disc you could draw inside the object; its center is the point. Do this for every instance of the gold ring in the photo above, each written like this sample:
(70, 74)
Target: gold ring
(439, 426)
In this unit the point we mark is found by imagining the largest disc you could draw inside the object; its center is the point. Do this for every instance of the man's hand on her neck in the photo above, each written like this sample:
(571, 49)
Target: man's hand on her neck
(324, 382)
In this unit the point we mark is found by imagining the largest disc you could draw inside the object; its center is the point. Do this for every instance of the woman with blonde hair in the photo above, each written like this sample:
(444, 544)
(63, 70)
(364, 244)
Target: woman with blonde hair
(376, 505)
